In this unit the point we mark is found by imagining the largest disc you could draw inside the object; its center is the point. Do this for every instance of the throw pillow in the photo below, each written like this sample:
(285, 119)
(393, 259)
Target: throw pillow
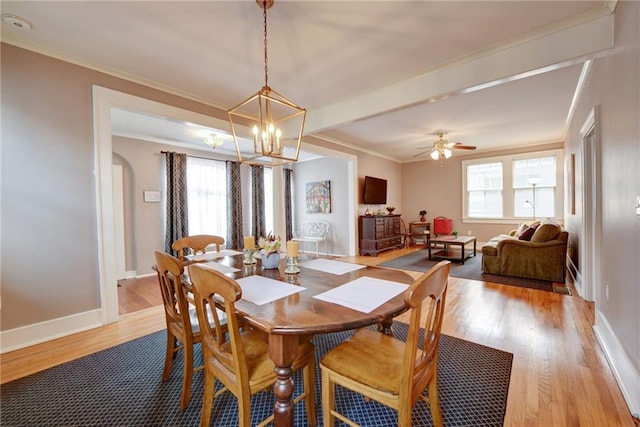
(521, 228)
(528, 233)
(545, 232)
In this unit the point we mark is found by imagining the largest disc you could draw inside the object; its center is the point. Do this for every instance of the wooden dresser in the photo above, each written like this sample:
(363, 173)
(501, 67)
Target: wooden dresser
(379, 233)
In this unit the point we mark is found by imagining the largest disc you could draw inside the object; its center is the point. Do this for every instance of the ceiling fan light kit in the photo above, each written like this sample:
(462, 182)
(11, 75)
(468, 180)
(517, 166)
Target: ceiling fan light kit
(443, 149)
(277, 124)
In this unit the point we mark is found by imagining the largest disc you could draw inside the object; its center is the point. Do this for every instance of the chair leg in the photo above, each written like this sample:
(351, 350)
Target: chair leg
(207, 400)
(434, 402)
(244, 408)
(168, 359)
(328, 400)
(187, 376)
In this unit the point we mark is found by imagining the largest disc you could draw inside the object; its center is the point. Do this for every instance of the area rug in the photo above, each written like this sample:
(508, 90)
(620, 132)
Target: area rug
(471, 269)
(122, 386)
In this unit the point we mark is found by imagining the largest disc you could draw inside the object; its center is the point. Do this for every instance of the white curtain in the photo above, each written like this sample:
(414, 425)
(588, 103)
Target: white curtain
(207, 195)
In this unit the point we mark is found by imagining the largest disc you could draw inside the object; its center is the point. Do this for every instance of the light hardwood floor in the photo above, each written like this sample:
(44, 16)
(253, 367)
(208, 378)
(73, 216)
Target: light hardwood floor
(560, 376)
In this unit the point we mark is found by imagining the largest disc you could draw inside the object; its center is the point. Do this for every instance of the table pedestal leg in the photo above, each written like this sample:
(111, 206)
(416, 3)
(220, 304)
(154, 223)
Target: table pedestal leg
(283, 350)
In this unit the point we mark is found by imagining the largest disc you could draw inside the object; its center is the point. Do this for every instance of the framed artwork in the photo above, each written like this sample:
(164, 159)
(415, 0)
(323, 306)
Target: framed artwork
(571, 184)
(318, 197)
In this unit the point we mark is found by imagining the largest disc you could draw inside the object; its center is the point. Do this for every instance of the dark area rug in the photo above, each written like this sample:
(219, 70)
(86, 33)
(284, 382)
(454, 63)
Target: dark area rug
(122, 386)
(471, 269)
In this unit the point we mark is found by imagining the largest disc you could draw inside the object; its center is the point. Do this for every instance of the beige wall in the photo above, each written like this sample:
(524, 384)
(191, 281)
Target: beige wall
(49, 223)
(325, 169)
(437, 188)
(614, 85)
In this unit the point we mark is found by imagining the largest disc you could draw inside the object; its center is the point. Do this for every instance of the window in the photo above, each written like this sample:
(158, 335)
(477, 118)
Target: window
(534, 187)
(484, 190)
(207, 196)
(268, 200)
(503, 187)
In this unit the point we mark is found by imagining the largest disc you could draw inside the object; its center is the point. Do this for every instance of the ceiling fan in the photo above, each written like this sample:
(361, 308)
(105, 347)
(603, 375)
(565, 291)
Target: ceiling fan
(443, 149)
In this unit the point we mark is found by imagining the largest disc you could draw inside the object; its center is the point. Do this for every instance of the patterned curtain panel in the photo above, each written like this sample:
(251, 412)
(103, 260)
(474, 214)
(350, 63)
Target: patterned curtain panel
(288, 205)
(234, 206)
(177, 209)
(257, 201)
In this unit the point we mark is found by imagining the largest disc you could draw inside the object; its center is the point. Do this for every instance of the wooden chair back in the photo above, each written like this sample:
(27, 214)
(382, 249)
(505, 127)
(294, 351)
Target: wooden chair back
(442, 226)
(176, 306)
(193, 245)
(182, 325)
(421, 362)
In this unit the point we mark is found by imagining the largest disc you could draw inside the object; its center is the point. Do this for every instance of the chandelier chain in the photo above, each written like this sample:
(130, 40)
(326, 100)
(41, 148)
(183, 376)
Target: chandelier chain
(266, 68)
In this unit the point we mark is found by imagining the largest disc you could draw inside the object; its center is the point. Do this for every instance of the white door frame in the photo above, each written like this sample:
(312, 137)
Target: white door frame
(118, 220)
(103, 100)
(590, 255)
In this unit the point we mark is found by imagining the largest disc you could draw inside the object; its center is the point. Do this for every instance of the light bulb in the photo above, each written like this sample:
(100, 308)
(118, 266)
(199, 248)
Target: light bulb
(447, 153)
(435, 154)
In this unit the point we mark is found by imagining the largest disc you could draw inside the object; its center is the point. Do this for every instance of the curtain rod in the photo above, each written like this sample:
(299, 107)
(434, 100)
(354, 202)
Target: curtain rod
(197, 157)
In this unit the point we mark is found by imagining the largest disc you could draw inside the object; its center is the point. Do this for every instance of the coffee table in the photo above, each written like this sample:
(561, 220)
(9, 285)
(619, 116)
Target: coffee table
(447, 253)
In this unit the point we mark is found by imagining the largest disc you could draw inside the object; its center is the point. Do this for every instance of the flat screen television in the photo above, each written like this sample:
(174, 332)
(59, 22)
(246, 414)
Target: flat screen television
(375, 191)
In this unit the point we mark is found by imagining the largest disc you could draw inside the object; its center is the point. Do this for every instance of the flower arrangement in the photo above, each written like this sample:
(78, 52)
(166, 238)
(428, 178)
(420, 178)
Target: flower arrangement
(270, 244)
(422, 213)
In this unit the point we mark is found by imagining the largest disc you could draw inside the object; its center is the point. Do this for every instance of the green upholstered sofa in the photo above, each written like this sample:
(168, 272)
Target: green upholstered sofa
(543, 257)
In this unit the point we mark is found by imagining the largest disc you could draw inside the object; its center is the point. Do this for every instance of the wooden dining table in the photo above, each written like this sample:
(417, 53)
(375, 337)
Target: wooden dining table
(289, 320)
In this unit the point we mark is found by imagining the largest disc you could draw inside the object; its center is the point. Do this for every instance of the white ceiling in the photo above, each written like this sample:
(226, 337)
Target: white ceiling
(382, 76)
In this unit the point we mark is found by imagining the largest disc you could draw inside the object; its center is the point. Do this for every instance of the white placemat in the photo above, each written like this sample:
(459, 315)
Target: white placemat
(224, 269)
(212, 255)
(364, 294)
(261, 290)
(331, 266)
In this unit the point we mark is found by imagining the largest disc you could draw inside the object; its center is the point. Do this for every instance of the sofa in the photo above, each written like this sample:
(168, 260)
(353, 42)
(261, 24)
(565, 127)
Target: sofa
(535, 250)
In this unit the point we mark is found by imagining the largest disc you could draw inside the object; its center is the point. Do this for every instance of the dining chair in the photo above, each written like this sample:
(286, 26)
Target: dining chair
(182, 321)
(194, 245)
(442, 226)
(386, 369)
(240, 359)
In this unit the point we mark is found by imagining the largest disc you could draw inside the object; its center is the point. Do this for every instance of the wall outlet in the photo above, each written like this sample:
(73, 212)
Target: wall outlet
(606, 292)
(468, 232)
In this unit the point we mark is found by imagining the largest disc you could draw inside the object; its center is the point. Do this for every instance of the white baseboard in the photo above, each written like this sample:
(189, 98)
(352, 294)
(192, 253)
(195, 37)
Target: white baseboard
(575, 276)
(623, 370)
(130, 274)
(25, 336)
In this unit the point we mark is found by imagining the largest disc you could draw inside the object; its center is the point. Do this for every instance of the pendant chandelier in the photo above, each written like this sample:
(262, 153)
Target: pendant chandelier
(276, 123)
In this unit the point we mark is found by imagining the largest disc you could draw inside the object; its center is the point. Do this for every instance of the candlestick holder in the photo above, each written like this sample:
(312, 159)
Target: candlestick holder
(248, 256)
(292, 265)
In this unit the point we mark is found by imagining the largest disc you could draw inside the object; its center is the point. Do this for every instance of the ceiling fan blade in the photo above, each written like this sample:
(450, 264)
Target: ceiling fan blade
(464, 147)
(421, 153)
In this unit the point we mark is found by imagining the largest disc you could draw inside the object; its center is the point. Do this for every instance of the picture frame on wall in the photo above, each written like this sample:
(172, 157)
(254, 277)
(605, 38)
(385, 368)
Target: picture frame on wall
(318, 197)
